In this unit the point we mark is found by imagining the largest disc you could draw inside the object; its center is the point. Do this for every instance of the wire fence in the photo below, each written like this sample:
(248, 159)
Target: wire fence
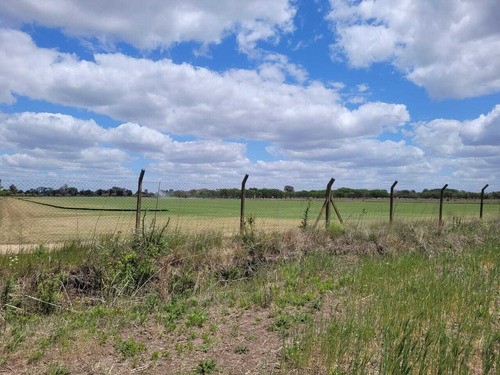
(52, 211)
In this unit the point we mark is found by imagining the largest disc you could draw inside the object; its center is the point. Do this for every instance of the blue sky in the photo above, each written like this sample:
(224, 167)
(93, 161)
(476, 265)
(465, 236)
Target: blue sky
(292, 92)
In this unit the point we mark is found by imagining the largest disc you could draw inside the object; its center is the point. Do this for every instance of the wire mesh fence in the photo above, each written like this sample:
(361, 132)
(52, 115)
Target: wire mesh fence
(57, 210)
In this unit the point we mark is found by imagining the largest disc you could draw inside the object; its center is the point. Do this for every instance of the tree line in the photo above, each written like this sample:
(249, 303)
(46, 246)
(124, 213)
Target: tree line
(288, 192)
(318, 194)
(68, 191)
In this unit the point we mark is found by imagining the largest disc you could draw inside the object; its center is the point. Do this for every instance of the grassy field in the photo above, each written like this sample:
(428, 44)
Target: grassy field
(372, 299)
(25, 221)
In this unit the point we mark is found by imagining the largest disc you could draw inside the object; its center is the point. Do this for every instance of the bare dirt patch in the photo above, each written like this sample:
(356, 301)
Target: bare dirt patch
(240, 343)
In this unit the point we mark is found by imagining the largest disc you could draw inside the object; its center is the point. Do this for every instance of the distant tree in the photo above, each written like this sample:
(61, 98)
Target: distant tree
(289, 189)
(13, 189)
(87, 193)
(63, 190)
(73, 191)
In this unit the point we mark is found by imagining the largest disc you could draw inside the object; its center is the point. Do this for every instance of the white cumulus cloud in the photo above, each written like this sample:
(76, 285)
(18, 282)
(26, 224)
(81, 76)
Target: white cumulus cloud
(450, 47)
(149, 24)
(187, 100)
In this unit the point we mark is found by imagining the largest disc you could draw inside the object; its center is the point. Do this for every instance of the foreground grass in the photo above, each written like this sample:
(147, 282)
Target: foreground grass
(411, 314)
(376, 299)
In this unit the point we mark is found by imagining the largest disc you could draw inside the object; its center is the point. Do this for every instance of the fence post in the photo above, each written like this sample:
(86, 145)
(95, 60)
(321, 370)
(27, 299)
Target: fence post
(328, 199)
(242, 209)
(139, 198)
(391, 213)
(336, 210)
(441, 206)
(482, 197)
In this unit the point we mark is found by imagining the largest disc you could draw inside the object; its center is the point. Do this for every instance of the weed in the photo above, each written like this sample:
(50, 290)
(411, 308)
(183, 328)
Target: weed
(282, 322)
(235, 329)
(206, 366)
(304, 224)
(48, 294)
(241, 349)
(36, 356)
(132, 270)
(56, 369)
(204, 347)
(179, 347)
(129, 348)
(196, 318)
(335, 230)
(6, 292)
(193, 335)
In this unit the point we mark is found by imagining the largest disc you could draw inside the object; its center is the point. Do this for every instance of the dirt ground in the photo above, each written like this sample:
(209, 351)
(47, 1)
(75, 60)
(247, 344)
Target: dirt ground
(261, 355)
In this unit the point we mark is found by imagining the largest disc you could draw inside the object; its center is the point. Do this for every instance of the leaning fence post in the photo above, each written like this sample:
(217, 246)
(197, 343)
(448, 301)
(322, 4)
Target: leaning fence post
(441, 206)
(139, 197)
(482, 198)
(242, 209)
(328, 199)
(336, 210)
(391, 212)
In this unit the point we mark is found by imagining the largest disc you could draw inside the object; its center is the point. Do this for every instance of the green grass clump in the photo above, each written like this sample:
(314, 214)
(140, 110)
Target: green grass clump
(206, 366)
(129, 348)
(56, 369)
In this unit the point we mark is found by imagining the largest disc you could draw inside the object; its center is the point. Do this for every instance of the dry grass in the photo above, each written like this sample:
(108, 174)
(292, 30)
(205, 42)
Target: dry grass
(47, 225)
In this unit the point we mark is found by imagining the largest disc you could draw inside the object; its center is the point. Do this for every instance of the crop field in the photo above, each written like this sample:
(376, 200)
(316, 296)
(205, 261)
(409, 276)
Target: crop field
(56, 219)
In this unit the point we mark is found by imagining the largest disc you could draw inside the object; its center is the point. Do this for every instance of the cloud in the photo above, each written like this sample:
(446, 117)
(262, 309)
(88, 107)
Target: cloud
(39, 142)
(365, 44)
(276, 67)
(52, 141)
(479, 137)
(186, 100)
(469, 149)
(452, 48)
(362, 152)
(150, 24)
(156, 145)
(51, 131)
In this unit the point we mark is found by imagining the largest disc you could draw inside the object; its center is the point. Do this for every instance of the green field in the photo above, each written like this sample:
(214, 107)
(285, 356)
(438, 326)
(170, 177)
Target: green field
(275, 208)
(27, 221)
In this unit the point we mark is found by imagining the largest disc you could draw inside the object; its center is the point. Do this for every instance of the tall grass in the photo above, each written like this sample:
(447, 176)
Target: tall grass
(413, 314)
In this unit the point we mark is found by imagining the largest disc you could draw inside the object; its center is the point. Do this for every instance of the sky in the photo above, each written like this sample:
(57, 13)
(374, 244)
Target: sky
(292, 92)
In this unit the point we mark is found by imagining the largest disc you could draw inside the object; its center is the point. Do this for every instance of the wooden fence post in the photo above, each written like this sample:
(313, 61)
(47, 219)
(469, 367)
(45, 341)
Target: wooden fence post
(328, 199)
(336, 210)
(242, 208)
(391, 211)
(482, 198)
(441, 206)
(139, 198)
